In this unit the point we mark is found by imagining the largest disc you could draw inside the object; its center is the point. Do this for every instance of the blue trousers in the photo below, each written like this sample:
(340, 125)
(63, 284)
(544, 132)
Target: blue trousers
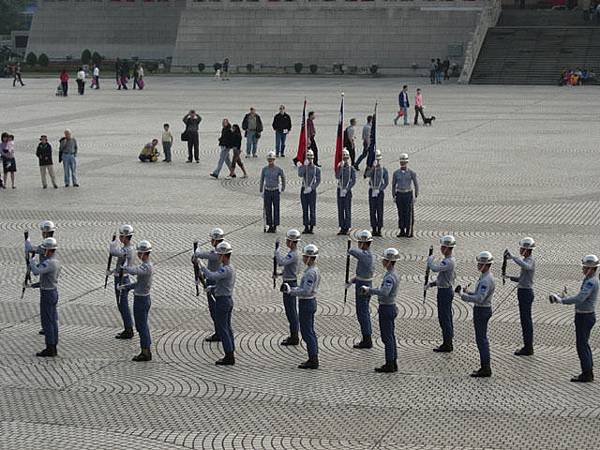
(251, 142)
(211, 308)
(141, 307)
(525, 297)
(49, 316)
(123, 302)
(70, 169)
(376, 209)
(223, 310)
(362, 308)
(583, 327)
(307, 307)
(291, 308)
(271, 203)
(444, 307)
(404, 203)
(223, 158)
(387, 318)
(481, 317)
(167, 150)
(309, 208)
(280, 137)
(344, 206)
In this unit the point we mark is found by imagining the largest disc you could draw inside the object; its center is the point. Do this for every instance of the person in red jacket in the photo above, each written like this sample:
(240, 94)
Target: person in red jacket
(64, 81)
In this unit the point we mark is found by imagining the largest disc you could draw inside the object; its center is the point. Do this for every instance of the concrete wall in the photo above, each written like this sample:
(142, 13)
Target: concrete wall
(112, 28)
(391, 34)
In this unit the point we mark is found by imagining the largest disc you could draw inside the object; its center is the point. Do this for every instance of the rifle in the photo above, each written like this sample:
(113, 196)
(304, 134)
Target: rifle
(28, 271)
(275, 264)
(109, 263)
(202, 280)
(427, 272)
(196, 271)
(504, 261)
(347, 270)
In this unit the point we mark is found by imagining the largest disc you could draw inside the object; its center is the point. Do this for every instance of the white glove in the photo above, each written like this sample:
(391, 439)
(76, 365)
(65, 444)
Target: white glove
(109, 272)
(27, 246)
(298, 164)
(364, 290)
(113, 245)
(209, 289)
(348, 285)
(414, 200)
(426, 286)
(286, 288)
(122, 287)
(555, 298)
(430, 259)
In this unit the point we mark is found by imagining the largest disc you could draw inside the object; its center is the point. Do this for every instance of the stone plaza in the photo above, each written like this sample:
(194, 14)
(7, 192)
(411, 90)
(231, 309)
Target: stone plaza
(498, 164)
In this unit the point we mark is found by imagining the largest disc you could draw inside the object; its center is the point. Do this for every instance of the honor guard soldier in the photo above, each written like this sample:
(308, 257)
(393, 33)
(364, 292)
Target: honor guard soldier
(346, 176)
(213, 263)
(525, 291)
(270, 188)
(388, 312)
(223, 281)
(124, 254)
(290, 263)
(378, 182)
(48, 271)
(585, 315)
(364, 277)
(403, 181)
(481, 298)
(47, 228)
(141, 297)
(307, 304)
(311, 178)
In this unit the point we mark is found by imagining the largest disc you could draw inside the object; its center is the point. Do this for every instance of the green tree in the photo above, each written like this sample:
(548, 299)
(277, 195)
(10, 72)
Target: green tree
(96, 58)
(31, 59)
(86, 56)
(43, 60)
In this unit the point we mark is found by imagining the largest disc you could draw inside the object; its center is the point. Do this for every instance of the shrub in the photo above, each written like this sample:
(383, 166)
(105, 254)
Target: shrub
(86, 56)
(373, 69)
(96, 58)
(313, 68)
(217, 66)
(249, 67)
(201, 67)
(298, 67)
(43, 60)
(31, 59)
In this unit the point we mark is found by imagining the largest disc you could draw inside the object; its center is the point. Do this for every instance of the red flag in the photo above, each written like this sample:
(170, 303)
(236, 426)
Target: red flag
(339, 141)
(302, 141)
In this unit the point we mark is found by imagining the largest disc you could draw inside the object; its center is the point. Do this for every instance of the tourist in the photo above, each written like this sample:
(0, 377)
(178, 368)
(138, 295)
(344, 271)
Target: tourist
(17, 75)
(64, 82)
(7, 152)
(236, 144)
(80, 81)
(190, 135)
(253, 127)
(67, 154)
(225, 144)
(282, 124)
(149, 153)
(167, 142)
(96, 77)
(44, 154)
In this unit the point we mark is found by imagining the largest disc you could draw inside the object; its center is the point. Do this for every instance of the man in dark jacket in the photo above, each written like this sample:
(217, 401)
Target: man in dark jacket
(192, 122)
(44, 154)
(282, 124)
(252, 126)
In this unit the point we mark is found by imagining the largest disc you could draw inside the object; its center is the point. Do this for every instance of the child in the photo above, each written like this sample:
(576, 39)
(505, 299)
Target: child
(167, 141)
(9, 164)
(44, 154)
(149, 153)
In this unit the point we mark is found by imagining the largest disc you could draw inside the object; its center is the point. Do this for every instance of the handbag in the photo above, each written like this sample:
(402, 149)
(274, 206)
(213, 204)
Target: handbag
(185, 136)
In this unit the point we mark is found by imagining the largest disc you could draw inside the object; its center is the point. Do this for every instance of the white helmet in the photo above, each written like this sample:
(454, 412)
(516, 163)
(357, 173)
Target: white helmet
(448, 241)
(378, 155)
(527, 243)
(590, 261)
(144, 246)
(293, 235)
(364, 236)
(310, 250)
(47, 226)
(403, 157)
(391, 254)
(217, 234)
(224, 248)
(485, 258)
(125, 230)
(49, 244)
(310, 154)
(345, 154)
(271, 156)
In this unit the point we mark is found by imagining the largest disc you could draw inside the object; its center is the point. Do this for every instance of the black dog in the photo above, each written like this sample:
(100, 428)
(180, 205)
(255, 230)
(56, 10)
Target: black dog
(428, 121)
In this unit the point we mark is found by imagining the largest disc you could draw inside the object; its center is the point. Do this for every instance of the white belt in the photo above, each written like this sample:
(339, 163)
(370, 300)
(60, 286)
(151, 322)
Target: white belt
(364, 279)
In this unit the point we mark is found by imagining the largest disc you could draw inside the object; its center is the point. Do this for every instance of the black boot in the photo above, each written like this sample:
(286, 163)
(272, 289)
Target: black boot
(585, 377)
(446, 347)
(310, 229)
(484, 372)
(145, 355)
(365, 343)
(228, 360)
(312, 363)
(525, 351)
(388, 367)
(49, 351)
(213, 338)
(306, 230)
(127, 333)
(292, 339)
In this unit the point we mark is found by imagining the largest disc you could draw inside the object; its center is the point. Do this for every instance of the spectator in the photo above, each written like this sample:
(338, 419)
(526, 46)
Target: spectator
(150, 153)
(96, 77)
(9, 163)
(225, 70)
(192, 122)
(236, 144)
(64, 82)
(419, 107)
(432, 70)
(404, 105)
(141, 83)
(118, 73)
(17, 75)
(349, 145)
(438, 71)
(311, 131)
(80, 81)
(366, 141)
(123, 75)
(225, 143)
(167, 142)
(253, 127)
(446, 69)
(44, 154)
(67, 153)
(135, 75)
(282, 124)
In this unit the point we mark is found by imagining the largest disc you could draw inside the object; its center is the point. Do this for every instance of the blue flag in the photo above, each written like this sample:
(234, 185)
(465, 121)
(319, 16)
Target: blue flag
(372, 139)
